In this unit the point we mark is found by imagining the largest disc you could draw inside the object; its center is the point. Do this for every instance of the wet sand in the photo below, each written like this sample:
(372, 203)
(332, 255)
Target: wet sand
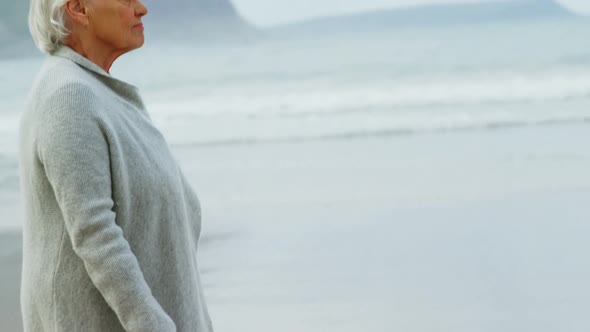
(10, 273)
(458, 232)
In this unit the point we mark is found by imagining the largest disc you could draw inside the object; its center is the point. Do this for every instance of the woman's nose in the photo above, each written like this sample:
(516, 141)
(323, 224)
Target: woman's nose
(141, 9)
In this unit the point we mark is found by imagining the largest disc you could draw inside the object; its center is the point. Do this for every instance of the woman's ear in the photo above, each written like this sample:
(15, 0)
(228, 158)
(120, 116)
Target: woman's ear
(76, 10)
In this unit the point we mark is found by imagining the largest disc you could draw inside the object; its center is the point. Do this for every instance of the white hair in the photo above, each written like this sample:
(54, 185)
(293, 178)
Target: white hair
(47, 24)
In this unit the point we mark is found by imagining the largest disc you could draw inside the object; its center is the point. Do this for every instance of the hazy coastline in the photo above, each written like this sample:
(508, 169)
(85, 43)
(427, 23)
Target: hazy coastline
(369, 226)
(367, 177)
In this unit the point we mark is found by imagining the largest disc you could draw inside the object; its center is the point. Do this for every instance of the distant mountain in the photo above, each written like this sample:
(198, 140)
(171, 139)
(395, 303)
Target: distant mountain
(190, 20)
(425, 15)
(195, 8)
(4, 32)
(198, 20)
(14, 29)
(13, 17)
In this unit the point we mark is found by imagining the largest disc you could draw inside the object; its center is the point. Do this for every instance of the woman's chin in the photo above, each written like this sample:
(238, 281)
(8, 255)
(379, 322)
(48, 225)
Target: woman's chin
(137, 44)
(140, 44)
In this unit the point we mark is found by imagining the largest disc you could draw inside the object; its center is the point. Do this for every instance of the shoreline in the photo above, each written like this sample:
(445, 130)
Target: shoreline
(10, 274)
(409, 261)
(443, 227)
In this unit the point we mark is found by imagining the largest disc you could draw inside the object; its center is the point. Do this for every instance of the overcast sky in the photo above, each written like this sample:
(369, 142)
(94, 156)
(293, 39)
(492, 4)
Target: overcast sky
(269, 12)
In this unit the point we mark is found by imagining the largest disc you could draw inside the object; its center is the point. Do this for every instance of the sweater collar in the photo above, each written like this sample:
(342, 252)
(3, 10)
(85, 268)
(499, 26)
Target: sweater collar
(126, 90)
(68, 53)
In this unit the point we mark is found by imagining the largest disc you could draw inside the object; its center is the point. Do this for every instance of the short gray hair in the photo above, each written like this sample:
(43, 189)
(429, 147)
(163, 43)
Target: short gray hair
(47, 24)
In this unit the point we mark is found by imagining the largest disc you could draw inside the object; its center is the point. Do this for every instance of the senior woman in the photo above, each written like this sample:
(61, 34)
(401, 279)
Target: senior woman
(112, 225)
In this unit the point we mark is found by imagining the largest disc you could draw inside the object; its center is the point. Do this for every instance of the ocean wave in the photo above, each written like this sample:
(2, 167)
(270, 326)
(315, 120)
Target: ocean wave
(574, 59)
(325, 97)
(386, 132)
(9, 178)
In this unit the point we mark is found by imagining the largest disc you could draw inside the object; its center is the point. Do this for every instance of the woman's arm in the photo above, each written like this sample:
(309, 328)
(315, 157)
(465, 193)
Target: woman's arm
(75, 154)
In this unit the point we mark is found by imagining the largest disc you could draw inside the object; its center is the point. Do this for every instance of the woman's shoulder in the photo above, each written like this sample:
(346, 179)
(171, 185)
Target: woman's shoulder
(61, 86)
(60, 76)
(63, 97)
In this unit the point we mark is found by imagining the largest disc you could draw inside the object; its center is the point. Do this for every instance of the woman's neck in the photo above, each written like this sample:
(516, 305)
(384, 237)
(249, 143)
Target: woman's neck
(104, 57)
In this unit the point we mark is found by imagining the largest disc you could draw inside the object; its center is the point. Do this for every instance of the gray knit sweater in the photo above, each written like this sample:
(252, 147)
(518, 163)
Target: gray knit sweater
(112, 226)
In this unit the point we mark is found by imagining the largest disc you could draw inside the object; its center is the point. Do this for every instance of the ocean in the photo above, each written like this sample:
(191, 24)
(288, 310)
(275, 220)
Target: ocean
(395, 82)
(407, 179)
(406, 81)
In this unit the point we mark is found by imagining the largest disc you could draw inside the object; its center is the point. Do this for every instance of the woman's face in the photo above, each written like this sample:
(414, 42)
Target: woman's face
(117, 23)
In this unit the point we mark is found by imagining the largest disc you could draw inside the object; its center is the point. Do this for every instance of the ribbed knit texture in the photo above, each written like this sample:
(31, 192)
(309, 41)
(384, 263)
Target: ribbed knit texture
(111, 224)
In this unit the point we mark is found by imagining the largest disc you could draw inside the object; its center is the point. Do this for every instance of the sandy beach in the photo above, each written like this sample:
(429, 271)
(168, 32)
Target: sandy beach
(10, 273)
(356, 175)
(468, 231)
(450, 232)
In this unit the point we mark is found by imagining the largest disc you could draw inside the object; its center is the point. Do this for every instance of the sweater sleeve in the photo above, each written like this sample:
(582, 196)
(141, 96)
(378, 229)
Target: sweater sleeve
(73, 148)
